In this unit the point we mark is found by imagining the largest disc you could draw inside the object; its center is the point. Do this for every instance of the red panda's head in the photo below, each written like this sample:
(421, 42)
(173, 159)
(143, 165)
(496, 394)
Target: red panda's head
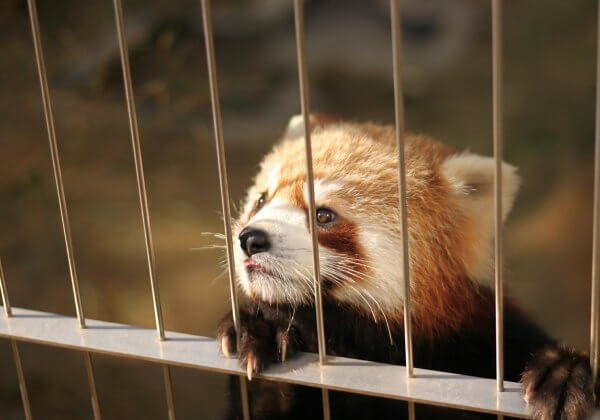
(450, 219)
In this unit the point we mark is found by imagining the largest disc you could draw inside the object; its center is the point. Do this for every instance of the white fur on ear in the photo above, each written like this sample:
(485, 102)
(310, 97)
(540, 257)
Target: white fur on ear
(295, 127)
(473, 176)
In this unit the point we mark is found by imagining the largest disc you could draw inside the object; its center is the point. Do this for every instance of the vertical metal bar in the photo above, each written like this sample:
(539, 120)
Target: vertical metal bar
(498, 222)
(41, 67)
(21, 378)
(142, 193)
(221, 160)
(89, 368)
(4, 293)
(15, 348)
(171, 413)
(310, 185)
(211, 63)
(139, 167)
(399, 113)
(411, 410)
(169, 392)
(595, 315)
(326, 404)
(304, 103)
(245, 402)
(60, 191)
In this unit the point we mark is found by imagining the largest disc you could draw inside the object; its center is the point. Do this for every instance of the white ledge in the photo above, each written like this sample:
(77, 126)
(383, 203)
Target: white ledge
(340, 374)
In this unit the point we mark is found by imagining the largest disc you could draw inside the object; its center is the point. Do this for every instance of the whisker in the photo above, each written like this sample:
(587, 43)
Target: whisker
(218, 277)
(204, 248)
(352, 261)
(365, 300)
(343, 269)
(351, 272)
(387, 324)
(214, 234)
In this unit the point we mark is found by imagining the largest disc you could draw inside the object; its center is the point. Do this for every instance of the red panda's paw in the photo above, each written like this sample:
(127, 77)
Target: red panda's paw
(558, 384)
(226, 337)
(261, 342)
(257, 342)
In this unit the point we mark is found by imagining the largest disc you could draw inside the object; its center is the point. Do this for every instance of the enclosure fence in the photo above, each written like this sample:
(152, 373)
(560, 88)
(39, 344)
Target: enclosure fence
(168, 348)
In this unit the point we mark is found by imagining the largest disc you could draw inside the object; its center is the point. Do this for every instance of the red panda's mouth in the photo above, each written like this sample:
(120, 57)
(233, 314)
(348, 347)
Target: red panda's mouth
(252, 266)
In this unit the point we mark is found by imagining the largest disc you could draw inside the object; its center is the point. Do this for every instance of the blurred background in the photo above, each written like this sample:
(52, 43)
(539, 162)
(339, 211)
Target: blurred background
(549, 135)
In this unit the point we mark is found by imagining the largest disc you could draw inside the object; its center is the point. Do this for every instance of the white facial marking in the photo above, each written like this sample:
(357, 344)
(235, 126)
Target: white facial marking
(287, 263)
(374, 284)
(323, 190)
(375, 287)
(381, 289)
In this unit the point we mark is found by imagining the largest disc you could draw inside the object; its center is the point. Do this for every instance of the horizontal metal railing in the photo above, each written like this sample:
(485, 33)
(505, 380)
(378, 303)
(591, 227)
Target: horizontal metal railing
(339, 374)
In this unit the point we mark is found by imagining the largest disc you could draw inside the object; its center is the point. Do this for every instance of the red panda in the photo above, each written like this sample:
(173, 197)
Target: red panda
(450, 233)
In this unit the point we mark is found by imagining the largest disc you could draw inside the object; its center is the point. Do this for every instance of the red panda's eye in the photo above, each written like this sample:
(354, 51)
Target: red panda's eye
(261, 201)
(325, 216)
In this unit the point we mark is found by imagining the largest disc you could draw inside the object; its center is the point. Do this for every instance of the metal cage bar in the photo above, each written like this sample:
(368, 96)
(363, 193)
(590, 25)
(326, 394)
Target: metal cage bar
(399, 114)
(15, 348)
(21, 378)
(139, 167)
(221, 160)
(171, 413)
(498, 220)
(89, 368)
(310, 186)
(60, 192)
(310, 183)
(595, 304)
(4, 293)
(223, 182)
(396, 24)
(142, 193)
(411, 410)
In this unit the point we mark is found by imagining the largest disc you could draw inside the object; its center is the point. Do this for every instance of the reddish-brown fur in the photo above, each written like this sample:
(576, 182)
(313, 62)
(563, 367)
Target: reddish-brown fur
(449, 208)
(442, 235)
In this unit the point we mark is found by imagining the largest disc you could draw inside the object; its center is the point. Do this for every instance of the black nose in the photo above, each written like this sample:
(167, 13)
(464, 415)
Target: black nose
(254, 241)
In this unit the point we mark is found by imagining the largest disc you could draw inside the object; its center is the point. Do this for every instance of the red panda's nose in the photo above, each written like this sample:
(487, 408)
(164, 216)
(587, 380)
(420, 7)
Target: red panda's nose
(253, 241)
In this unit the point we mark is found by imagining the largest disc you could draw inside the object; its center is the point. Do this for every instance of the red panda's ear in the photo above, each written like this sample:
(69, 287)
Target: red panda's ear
(472, 177)
(295, 127)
